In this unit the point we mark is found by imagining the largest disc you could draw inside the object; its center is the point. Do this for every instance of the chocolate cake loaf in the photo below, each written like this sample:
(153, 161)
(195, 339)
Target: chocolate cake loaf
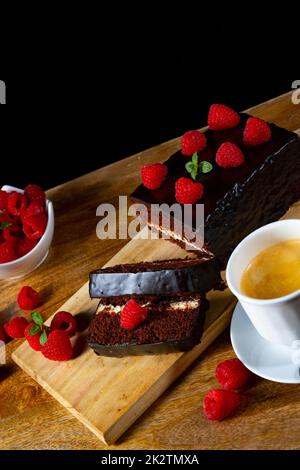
(157, 278)
(236, 200)
(173, 324)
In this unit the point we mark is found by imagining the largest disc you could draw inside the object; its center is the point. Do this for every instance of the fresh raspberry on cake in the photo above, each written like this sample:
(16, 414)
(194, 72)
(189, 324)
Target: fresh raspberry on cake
(229, 155)
(132, 315)
(192, 142)
(188, 191)
(16, 203)
(221, 117)
(154, 175)
(34, 226)
(7, 251)
(16, 327)
(218, 404)
(64, 321)
(33, 192)
(28, 298)
(3, 199)
(58, 346)
(33, 334)
(256, 132)
(232, 374)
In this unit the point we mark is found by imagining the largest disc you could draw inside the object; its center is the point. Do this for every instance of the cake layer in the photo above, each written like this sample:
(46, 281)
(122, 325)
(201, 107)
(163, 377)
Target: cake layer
(236, 200)
(157, 278)
(173, 324)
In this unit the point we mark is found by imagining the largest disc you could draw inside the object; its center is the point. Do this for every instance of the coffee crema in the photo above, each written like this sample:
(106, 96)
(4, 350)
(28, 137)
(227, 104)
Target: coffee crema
(274, 272)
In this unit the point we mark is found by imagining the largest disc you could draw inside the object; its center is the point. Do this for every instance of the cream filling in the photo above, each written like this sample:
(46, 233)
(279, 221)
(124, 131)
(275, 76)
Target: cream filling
(181, 305)
(174, 235)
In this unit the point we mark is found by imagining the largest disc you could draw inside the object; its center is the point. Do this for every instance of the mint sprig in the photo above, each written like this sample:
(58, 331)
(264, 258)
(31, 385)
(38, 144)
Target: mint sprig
(38, 327)
(5, 225)
(195, 168)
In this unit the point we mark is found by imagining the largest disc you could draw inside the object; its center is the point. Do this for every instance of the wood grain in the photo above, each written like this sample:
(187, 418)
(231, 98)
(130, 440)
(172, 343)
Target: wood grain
(106, 394)
(32, 419)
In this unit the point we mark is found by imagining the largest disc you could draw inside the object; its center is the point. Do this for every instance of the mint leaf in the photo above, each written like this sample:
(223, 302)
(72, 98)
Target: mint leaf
(189, 167)
(34, 330)
(205, 167)
(195, 159)
(5, 225)
(194, 174)
(43, 338)
(37, 318)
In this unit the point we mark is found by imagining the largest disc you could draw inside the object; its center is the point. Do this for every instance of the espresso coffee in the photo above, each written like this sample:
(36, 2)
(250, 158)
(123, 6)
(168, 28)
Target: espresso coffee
(274, 272)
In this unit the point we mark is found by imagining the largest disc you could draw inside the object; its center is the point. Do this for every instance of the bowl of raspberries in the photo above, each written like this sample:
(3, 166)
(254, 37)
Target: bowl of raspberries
(26, 230)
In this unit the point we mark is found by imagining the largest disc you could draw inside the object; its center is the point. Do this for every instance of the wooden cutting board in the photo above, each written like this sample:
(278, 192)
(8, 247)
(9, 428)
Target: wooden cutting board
(109, 394)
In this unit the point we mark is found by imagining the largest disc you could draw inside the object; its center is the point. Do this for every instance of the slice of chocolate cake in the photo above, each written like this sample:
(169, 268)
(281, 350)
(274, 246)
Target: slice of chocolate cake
(173, 324)
(236, 200)
(157, 278)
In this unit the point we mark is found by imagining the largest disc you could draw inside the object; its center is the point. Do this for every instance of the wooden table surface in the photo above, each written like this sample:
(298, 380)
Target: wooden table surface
(31, 419)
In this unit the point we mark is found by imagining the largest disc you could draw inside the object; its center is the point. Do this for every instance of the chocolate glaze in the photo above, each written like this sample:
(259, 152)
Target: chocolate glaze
(237, 200)
(156, 278)
(144, 340)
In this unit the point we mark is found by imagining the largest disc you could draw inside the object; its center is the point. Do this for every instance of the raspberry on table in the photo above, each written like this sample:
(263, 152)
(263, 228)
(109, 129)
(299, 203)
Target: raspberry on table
(132, 315)
(188, 191)
(218, 404)
(16, 327)
(232, 374)
(221, 117)
(154, 175)
(33, 339)
(193, 142)
(28, 298)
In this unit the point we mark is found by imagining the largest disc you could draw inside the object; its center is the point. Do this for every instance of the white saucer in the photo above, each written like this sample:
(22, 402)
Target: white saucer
(265, 359)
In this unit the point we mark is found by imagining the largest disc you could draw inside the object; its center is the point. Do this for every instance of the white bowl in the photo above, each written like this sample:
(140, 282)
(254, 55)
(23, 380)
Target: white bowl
(28, 263)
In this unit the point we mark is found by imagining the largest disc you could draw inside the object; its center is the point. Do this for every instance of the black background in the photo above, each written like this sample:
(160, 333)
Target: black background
(88, 86)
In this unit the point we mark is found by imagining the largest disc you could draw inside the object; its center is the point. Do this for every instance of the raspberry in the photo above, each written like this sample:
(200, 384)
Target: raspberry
(154, 175)
(64, 321)
(34, 208)
(34, 192)
(222, 117)
(16, 203)
(232, 374)
(132, 315)
(28, 298)
(256, 132)
(218, 404)
(13, 231)
(6, 217)
(33, 339)
(3, 335)
(229, 155)
(7, 251)
(34, 226)
(15, 328)
(192, 142)
(187, 191)
(24, 246)
(3, 199)
(58, 346)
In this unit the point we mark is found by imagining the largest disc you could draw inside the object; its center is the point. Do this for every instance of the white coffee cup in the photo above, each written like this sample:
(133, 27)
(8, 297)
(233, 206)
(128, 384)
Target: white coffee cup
(277, 320)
